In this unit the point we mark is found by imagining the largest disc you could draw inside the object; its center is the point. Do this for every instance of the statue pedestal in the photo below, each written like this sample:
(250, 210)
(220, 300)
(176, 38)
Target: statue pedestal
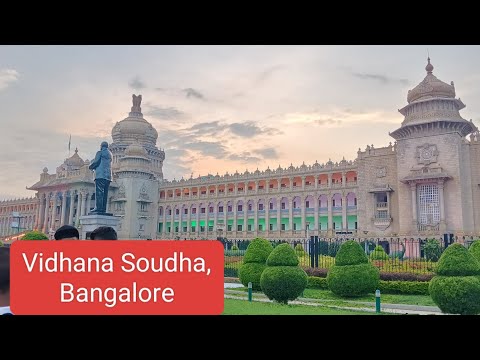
(88, 223)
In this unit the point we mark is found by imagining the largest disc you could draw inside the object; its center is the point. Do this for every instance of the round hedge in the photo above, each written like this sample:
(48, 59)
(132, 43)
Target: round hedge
(283, 283)
(251, 272)
(456, 260)
(456, 287)
(283, 280)
(378, 253)
(34, 235)
(474, 249)
(353, 280)
(282, 255)
(456, 294)
(257, 251)
(351, 253)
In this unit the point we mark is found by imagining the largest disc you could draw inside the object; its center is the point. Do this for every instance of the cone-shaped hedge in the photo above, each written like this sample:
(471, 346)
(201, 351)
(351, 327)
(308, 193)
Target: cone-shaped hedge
(283, 280)
(378, 253)
(456, 287)
(352, 275)
(474, 249)
(254, 262)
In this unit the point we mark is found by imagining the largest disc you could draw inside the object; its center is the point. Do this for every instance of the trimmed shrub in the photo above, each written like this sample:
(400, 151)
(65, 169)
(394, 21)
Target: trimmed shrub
(299, 250)
(258, 251)
(34, 235)
(230, 272)
(456, 287)
(378, 253)
(456, 294)
(350, 254)
(355, 279)
(315, 282)
(457, 261)
(404, 287)
(254, 262)
(474, 249)
(283, 280)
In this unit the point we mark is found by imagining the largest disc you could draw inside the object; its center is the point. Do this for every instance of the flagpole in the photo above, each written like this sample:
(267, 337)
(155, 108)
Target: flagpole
(69, 142)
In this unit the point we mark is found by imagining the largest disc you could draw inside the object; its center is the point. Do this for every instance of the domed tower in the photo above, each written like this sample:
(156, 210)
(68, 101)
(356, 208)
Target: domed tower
(136, 199)
(433, 160)
(132, 129)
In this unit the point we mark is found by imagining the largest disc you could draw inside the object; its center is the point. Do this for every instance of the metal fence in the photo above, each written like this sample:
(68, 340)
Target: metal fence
(394, 255)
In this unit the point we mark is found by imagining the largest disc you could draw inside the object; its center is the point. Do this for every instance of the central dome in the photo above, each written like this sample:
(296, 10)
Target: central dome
(135, 127)
(431, 87)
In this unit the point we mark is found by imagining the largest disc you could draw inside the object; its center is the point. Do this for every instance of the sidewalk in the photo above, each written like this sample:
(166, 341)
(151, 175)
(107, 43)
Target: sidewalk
(368, 306)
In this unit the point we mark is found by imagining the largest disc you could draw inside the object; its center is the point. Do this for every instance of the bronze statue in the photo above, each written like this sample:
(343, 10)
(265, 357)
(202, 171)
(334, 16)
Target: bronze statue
(102, 166)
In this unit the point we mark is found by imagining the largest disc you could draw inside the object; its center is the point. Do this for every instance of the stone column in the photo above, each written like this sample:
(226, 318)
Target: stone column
(198, 218)
(234, 208)
(38, 213)
(267, 216)
(80, 206)
(267, 187)
(291, 183)
(302, 209)
(255, 215)
(256, 186)
(343, 179)
(413, 188)
(329, 180)
(316, 181)
(330, 215)
(189, 219)
(45, 213)
(344, 212)
(245, 218)
(164, 223)
(215, 217)
(64, 208)
(207, 209)
(443, 225)
(54, 211)
(172, 223)
(290, 213)
(87, 206)
(279, 184)
(225, 217)
(279, 214)
(316, 214)
(303, 182)
(72, 203)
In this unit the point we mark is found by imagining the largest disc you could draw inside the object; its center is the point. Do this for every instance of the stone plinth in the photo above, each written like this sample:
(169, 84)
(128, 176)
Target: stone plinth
(88, 223)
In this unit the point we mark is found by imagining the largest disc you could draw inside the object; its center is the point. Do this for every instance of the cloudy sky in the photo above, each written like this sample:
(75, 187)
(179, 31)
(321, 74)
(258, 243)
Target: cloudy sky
(216, 108)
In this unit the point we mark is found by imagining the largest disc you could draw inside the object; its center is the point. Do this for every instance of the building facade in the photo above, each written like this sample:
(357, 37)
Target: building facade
(425, 183)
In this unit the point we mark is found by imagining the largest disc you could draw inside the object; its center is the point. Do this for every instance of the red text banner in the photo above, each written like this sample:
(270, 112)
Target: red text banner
(128, 277)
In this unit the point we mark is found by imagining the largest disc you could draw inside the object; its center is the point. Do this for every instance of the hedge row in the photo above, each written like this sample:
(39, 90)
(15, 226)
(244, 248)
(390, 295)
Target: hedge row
(386, 287)
(386, 276)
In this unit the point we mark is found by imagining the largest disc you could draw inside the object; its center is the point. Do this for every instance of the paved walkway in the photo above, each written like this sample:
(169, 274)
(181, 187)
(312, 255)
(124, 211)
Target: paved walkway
(368, 306)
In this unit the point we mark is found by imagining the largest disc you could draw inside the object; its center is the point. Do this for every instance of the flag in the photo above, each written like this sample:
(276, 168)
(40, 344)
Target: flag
(69, 141)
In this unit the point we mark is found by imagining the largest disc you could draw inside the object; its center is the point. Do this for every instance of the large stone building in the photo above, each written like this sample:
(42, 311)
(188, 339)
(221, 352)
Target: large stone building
(426, 182)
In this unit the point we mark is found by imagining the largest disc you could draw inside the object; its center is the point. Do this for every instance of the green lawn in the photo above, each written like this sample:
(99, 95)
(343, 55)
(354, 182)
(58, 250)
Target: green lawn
(242, 307)
(422, 300)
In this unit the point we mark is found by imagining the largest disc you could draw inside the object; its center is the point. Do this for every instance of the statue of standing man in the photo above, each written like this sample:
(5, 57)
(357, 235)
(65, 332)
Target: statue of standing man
(102, 166)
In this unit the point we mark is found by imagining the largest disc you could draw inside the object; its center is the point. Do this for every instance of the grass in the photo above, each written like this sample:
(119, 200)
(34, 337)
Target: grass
(242, 307)
(318, 294)
(421, 300)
